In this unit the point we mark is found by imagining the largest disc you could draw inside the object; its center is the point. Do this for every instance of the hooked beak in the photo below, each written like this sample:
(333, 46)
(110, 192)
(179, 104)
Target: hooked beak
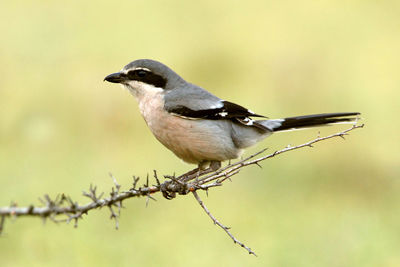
(117, 77)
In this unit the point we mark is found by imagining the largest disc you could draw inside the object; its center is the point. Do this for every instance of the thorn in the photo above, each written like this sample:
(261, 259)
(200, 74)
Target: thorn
(2, 221)
(152, 198)
(135, 181)
(156, 177)
(117, 186)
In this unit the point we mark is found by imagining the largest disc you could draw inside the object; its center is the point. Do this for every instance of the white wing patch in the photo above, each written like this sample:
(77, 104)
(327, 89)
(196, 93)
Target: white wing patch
(248, 121)
(273, 124)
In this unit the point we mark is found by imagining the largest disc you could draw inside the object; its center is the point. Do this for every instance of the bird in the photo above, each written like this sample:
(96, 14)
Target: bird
(197, 126)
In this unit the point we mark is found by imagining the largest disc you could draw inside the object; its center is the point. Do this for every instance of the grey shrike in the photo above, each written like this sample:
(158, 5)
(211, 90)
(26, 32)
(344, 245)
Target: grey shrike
(197, 126)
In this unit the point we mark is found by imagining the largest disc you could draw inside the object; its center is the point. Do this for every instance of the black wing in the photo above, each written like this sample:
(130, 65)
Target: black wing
(228, 111)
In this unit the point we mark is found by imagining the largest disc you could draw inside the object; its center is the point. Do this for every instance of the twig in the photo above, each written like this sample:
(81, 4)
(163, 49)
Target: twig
(225, 228)
(64, 206)
(250, 161)
(2, 221)
(74, 208)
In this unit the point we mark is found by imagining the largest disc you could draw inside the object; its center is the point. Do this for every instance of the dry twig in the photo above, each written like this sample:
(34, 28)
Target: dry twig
(63, 205)
(225, 228)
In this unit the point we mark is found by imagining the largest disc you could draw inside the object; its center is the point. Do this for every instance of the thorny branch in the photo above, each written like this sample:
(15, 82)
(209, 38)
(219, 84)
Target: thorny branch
(64, 209)
(225, 228)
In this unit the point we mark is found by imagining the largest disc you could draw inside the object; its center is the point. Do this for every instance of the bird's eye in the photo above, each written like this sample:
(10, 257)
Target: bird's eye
(135, 74)
(141, 73)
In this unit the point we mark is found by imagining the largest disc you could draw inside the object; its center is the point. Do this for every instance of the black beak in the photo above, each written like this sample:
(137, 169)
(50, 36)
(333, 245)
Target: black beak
(118, 77)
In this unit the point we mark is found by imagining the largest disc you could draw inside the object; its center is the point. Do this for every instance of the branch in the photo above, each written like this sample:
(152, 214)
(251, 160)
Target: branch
(232, 169)
(64, 209)
(225, 228)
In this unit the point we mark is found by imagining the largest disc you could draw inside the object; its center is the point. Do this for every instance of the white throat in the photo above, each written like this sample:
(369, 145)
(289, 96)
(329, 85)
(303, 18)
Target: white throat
(140, 90)
(149, 97)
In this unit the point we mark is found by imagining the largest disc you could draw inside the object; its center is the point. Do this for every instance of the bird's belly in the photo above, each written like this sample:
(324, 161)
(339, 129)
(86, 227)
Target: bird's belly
(193, 141)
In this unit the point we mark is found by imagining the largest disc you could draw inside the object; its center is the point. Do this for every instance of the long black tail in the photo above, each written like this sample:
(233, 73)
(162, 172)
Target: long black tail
(308, 121)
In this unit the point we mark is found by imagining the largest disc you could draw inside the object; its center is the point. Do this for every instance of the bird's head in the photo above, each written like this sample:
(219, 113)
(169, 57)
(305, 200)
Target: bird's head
(145, 74)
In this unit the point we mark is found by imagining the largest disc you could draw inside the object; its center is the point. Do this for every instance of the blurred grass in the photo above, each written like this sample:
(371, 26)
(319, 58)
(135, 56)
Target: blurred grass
(62, 128)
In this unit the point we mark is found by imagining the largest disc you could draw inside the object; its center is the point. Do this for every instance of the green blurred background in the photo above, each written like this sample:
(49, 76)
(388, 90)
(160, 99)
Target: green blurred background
(62, 128)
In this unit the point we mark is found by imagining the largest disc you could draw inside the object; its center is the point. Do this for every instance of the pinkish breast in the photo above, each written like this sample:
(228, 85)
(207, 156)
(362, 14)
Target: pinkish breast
(193, 141)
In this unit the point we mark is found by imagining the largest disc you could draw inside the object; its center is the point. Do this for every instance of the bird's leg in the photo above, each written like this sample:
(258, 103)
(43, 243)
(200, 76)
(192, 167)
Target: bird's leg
(213, 166)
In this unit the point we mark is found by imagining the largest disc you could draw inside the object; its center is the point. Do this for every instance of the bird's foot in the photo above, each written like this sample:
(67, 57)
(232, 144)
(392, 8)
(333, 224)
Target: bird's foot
(166, 192)
(170, 188)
